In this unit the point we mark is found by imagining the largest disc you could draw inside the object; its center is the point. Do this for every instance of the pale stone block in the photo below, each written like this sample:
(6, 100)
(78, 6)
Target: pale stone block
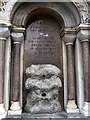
(72, 110)
(86, 109)
(2, 110)
(3, 113)
(15, 112)
(15, 106)
(71, 104)
(71, 107)
(15, 109)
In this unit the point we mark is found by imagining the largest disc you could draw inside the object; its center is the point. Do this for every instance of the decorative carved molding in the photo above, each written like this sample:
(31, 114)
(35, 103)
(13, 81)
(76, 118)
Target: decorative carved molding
(83, 7)
(18, 29)
(3, 4)
(5, 23)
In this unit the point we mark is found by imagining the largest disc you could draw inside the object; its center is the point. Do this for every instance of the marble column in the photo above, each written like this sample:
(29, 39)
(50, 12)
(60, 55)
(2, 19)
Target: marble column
(4, 35)
(84, 36)
(70, 71)
(17, 39)
(69, 36)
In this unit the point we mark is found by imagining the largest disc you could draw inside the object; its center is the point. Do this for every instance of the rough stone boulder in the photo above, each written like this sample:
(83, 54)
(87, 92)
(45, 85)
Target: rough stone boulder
(42, 84)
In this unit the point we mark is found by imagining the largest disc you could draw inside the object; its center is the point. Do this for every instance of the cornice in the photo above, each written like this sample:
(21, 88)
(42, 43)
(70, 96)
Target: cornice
(18, 29)
(83, 27)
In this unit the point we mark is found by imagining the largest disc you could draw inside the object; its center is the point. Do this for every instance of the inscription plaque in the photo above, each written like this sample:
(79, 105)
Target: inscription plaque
(43, 43)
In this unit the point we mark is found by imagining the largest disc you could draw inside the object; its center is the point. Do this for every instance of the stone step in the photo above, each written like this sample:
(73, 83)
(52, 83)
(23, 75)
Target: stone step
(46, 119)
(56, 116)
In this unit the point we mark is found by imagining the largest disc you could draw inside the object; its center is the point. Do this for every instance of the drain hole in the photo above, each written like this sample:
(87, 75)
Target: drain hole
(43, 94)
(43, 76)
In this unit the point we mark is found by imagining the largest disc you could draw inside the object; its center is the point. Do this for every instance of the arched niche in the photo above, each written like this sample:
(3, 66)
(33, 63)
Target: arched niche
(62, 11)
(66, 14)
(43, 44)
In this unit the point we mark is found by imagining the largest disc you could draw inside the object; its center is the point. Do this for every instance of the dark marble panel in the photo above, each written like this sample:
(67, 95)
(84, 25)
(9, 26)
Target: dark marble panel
(43, 42)
(71, 72)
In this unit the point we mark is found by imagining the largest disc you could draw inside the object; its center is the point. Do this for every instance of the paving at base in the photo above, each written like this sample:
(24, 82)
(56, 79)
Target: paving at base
(58, 116)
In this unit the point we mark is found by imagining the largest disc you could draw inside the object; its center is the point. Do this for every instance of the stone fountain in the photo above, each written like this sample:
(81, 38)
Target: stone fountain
(42, 84)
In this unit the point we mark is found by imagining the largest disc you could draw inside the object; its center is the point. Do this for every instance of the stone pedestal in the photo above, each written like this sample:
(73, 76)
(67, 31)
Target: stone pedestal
(43, 84)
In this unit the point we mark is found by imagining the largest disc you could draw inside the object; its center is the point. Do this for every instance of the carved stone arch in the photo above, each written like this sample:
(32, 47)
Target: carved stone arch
(66, 14)
(63, 12)
(22, 20)
(7, 12)
(83, 8)
(69, 14)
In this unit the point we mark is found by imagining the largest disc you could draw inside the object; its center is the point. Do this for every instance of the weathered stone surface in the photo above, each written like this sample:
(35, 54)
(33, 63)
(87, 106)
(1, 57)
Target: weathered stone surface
(43, 83)
(56, 116)
(39, 70)
(82, 6)
(42, 86)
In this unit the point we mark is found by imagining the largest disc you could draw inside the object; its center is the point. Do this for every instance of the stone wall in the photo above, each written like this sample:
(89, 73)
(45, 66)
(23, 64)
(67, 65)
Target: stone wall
(74, 37)
(6, 8)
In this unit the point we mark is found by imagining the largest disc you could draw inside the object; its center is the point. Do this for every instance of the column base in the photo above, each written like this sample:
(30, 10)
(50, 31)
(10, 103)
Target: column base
(15, 112)
(15, 106)
(86, 109)
(15, 109)
(71, 107)
(72, 110)
(3, 113)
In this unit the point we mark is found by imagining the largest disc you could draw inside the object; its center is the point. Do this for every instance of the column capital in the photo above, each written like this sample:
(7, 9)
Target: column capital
(83, 32)
(17, 37)
(68, 35)
(4, 32)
